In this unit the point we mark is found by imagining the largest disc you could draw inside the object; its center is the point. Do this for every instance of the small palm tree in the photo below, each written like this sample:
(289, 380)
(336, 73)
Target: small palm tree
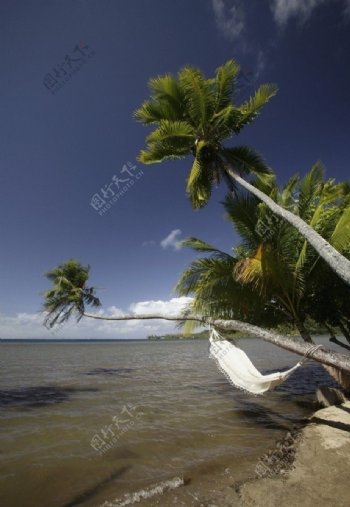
(69, 293)
(193, 115)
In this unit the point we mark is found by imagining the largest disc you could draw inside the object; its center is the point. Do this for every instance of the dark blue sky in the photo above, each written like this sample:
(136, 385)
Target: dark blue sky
(59, 149)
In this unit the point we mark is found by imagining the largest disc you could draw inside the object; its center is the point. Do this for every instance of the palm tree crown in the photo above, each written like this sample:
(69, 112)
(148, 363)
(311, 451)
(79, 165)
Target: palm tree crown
(69, 293)
(194, 115)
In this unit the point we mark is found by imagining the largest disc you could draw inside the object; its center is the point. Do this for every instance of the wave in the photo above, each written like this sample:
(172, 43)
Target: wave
(137, 496)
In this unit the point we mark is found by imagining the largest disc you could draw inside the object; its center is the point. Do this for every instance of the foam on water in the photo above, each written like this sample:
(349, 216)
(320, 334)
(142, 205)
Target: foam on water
(137, 496)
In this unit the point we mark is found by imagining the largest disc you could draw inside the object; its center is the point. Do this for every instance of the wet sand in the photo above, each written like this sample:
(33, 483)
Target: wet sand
(307, 465)
(320, 472)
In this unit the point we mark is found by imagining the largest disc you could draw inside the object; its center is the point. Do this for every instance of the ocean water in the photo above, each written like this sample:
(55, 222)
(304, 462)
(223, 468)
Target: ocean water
(136, 423)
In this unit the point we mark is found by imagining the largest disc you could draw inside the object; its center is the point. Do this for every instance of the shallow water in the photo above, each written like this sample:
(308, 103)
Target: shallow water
(159, 414)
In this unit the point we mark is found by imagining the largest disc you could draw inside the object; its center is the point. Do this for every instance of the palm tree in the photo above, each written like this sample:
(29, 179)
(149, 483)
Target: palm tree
(69, 293)
(193, 115)
(274, 265)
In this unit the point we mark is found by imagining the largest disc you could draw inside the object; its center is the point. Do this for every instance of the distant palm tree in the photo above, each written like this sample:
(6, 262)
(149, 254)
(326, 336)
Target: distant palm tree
(194, 115)
(69, 293)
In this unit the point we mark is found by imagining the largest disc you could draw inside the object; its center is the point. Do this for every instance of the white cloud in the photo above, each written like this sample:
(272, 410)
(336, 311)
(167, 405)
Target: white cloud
(230, 18)
(172, 240)
(171, 307)
(284, 10)
(27, 325)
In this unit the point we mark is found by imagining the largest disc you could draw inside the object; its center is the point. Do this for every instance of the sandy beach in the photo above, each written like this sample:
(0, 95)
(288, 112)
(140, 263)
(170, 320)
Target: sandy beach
(306, 466)
(320, 471)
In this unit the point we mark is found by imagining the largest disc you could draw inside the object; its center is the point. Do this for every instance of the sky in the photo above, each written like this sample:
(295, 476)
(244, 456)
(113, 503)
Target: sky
(73, 73)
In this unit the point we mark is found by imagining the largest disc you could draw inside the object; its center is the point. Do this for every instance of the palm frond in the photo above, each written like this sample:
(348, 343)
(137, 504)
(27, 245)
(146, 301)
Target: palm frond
(242, 212)
(178, 133)
(310, 187)
(270, 275)
(225, 81)
(252, 107)
(158, 152)
(171, 140)
(152, 111)
(217, 294)
(199, 183)
(199, 97)
(251, 270)
(340, 238)
(167, 89)
(225, 122)
(286, 198)
(201, 246)
(246, 160)
(320, 204)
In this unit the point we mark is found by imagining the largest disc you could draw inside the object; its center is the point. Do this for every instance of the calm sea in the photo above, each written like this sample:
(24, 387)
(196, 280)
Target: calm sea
(146, 423)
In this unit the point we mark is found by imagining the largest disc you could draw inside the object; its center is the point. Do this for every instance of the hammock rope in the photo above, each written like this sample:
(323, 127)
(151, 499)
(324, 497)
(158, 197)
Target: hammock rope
(240, 371)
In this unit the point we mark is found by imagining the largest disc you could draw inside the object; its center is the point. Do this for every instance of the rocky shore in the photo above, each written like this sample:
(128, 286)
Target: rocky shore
(312, 465)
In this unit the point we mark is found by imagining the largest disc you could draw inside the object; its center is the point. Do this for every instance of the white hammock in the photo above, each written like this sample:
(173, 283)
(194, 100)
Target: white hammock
(239, 369)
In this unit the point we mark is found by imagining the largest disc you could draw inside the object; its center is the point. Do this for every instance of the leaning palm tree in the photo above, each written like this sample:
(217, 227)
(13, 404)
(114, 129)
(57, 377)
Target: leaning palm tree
(193, 115)
(69, 293)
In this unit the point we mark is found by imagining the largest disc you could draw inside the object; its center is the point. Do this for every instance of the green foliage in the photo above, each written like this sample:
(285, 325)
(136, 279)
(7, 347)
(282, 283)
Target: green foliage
(274, 278)
(309, 188)
(225, 81)
(252, 107)
(199, 183)
(193, 115)
(246, 161)
(203, 335)
(69, 293)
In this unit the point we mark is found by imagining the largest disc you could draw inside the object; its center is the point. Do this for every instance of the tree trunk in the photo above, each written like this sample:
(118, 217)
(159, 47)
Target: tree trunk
(330, 331)
(344, 331)
(338, 263)
(323, 356)
(304, 333)
(333, 337)
(335, 340)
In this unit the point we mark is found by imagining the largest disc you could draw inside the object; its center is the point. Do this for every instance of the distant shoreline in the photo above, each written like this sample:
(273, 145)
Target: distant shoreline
(70, 340)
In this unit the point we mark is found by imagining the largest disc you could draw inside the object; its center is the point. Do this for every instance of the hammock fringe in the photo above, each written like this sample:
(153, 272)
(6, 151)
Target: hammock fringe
(234, 363)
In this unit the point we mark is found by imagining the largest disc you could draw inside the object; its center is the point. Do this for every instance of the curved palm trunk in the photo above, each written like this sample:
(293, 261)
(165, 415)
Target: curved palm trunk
(344, 331)
(303, 332)
(323, 356)
(339, 343)
(334, 259)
